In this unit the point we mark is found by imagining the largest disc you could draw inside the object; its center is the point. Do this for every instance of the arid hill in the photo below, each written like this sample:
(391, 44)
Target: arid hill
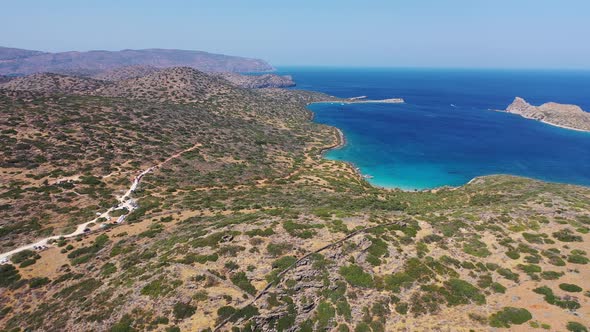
(178, 84)
(568, 116)
(258, 81)
(24, 62)
(54, 83)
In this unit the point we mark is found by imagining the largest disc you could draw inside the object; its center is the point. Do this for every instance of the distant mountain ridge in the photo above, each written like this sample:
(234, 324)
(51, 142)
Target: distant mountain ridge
(23, 62)
(8, 53)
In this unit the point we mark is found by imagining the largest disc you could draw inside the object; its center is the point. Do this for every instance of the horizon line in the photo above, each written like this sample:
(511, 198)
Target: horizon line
(351, 66)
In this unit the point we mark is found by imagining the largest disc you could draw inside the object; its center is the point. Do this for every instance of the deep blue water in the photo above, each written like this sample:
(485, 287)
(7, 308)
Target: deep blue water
(447, 132)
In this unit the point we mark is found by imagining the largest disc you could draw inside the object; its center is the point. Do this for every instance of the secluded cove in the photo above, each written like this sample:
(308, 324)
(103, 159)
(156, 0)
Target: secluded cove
(447, 132)
(417, 147)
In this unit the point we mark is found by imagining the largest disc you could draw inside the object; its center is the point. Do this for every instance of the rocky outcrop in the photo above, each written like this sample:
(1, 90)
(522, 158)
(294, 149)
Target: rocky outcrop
(561, 115)
(24, 62)
(258, 81)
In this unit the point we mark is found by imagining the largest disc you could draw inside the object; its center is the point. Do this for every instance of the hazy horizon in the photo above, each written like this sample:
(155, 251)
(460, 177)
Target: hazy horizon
(530, 34)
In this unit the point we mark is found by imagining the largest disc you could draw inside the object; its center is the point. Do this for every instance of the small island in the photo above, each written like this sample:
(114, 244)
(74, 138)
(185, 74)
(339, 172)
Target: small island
(363, 100)
(560, 115)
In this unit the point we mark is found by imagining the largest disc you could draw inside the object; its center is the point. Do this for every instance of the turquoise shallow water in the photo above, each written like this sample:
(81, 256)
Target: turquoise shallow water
(447, 133)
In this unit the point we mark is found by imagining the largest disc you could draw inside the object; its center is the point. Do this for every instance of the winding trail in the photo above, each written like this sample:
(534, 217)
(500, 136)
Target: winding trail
(268, 286)
(125, 201)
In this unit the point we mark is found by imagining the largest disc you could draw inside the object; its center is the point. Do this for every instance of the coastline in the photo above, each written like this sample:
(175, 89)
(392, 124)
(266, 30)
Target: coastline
(341, 142)
(545, 122)
(560, 126)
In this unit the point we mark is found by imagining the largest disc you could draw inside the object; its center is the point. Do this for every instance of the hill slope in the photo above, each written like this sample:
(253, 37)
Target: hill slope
(54, 83)
(124, 73)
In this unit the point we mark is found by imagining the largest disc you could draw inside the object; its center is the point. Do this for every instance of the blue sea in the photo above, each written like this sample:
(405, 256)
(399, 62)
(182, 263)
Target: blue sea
(448, 131)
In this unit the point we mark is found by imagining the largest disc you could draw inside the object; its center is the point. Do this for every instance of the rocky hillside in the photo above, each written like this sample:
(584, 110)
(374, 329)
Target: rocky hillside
(178, 84)
(24, 62)
(258, 81)
(54, 83)
(568, 116)
(124, 73)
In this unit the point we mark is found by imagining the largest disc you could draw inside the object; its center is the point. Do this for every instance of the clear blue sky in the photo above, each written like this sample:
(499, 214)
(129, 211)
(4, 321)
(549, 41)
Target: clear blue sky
(397, 33)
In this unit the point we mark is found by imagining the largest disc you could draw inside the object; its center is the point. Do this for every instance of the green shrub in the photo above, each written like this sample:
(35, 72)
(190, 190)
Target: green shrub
(159, 287)
(124, 325)
(241, 280)
(401, 308)
(362, 327)
(278, 249)
(343, 309)
(24, 255)
(554, 300)
(303, 231)
(183, 310)
(498, 288)
(508, 316)
(567, 235)
(576, 327)
(108, 269)
(506, 273)
(260, 232)
(530, 268)
(578, 259)
(570, 288)
(324, 315)
(462, 292)
(355, 276)
(279, 266)
(38, 282)
(224, 313)
(513, 254)
(551, 275)
(476, 248)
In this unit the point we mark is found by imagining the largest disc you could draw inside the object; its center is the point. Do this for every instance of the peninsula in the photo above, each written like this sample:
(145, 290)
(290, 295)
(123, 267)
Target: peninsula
(560, 115)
